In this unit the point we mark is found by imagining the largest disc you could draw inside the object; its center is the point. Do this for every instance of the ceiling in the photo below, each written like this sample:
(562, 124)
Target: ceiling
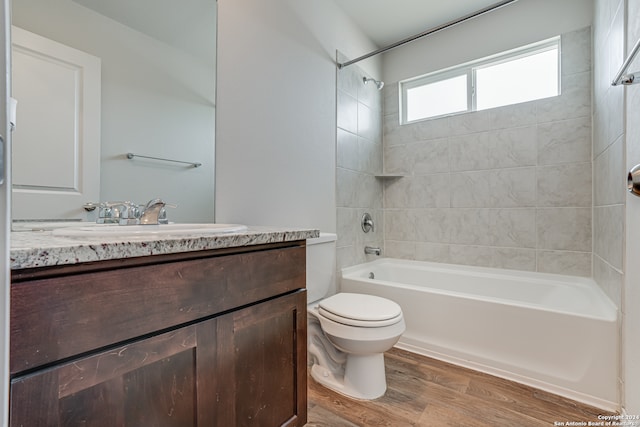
(383, 21)
(189, 25)
(386, 22)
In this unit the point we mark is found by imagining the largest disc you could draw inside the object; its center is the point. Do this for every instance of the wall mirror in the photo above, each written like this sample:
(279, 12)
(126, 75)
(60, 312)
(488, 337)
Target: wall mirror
(155, 89)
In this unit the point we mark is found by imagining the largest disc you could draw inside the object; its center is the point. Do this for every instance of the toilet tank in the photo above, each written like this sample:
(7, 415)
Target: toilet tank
(321, 266)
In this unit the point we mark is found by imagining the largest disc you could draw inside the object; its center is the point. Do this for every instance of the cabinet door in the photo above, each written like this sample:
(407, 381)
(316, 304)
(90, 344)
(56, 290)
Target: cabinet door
(152, 382)
(262, 365)
(245, 368)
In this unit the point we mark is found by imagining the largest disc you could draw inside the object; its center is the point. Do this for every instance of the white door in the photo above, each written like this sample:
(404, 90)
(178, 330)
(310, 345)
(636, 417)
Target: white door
(56, 143)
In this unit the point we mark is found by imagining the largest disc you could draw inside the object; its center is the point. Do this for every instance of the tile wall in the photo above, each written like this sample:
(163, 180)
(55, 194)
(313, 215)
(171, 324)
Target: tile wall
(509, 187)
(608, 149)
(616, 149)
(630, 307)
(359, 159)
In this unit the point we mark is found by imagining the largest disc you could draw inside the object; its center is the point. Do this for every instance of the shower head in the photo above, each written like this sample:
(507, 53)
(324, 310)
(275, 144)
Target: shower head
(379, 83)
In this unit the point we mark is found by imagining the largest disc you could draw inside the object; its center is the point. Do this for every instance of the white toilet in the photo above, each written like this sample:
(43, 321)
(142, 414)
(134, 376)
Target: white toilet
(347, 333)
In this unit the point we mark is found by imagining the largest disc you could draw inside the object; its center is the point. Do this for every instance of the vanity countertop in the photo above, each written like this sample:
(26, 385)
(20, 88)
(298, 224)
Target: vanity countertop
(31, 249)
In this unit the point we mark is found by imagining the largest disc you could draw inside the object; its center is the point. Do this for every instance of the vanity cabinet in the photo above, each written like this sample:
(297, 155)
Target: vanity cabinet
(212, 338)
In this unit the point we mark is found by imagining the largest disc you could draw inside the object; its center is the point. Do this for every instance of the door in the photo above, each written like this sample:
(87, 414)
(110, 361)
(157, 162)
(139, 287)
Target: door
(261, 365)
(154, 382)
(56, 143)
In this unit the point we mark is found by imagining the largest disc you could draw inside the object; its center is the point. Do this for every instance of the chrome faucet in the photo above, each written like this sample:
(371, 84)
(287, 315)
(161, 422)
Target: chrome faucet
(122, 213)
(154, 212)
(367, 223)
(369, 250)
(127, 213)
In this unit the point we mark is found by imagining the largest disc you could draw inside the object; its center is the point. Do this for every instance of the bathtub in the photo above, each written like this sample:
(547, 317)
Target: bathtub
(556, 333)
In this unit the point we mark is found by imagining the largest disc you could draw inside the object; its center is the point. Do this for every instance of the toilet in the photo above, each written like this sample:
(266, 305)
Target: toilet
(347, 333)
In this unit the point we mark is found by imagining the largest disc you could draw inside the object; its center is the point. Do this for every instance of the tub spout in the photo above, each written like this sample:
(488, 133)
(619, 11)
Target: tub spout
(369, 250)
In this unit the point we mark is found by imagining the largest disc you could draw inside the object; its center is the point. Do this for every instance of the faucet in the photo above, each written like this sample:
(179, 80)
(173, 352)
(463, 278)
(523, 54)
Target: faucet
(127, 213)
(154, 212)
(369, 250)
(122, 213)
(367, 223)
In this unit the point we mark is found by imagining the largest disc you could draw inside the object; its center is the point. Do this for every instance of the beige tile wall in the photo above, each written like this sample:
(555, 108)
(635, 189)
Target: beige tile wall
(630, 307)
(359, 159)
(608, 149)
(509, 187)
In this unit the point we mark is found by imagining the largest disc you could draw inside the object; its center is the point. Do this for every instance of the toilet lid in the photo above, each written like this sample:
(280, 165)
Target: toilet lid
(360, 310)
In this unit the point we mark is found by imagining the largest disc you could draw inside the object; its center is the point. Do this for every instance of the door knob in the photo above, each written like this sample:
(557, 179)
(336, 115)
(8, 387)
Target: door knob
(633, 181)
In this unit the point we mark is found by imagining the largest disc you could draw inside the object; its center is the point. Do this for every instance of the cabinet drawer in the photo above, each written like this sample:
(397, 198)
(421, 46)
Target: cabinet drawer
(59, 317)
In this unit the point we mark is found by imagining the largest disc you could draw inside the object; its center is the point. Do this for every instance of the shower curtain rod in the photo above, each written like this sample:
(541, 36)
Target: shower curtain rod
(428, 32)
(627, 79)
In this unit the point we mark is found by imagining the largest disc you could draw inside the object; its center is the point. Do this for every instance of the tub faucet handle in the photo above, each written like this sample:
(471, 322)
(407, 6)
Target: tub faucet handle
(367, 223)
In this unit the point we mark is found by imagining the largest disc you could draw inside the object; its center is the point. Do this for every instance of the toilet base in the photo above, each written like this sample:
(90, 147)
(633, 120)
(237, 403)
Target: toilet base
(364, 377)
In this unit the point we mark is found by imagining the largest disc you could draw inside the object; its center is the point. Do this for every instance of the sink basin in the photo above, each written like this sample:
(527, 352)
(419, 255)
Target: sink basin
(46, 225)
(143, 231)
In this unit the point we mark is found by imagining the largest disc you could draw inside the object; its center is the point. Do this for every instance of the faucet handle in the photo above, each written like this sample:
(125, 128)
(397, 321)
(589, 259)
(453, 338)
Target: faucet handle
(122, 213)
(367, 223)
(130, 214)
(109, 212)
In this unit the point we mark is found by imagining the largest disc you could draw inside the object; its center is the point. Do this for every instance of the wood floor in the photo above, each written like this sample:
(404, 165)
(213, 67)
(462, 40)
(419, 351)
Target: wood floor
(426, 392)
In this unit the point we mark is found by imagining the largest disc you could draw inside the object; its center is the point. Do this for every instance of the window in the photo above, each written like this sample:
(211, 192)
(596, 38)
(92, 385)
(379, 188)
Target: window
(520, 75)
(443, 96)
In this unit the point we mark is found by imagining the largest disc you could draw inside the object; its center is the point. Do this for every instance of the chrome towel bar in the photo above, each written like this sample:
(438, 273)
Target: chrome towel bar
(193, 164)
(627, 79)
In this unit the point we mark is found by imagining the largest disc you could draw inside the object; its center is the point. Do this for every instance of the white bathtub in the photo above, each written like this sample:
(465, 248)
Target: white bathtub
(556, 333)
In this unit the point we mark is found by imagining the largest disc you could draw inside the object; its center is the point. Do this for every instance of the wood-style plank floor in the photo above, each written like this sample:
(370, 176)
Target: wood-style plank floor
(427, 392)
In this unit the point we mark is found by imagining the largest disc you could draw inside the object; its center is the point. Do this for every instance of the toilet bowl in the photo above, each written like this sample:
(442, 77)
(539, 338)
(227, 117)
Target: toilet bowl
(348, 334)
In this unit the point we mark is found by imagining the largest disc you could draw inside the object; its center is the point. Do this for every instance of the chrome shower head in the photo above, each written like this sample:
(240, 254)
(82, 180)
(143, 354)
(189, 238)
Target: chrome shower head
(379, 83)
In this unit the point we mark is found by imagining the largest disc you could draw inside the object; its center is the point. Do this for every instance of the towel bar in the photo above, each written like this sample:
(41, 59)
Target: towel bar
(193, 164)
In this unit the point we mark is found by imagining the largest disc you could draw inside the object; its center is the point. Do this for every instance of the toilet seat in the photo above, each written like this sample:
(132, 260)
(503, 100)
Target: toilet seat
(360, 310)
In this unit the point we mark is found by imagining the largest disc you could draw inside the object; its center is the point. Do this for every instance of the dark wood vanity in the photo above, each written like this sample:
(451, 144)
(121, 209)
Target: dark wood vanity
(205, 338)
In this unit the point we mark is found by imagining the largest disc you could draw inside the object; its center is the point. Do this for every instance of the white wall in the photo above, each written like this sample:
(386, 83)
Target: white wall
(156, 101)
(518, 24)
(276, 122)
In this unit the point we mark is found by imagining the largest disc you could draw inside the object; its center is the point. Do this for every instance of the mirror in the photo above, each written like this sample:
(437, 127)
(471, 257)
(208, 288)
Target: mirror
(157, 99)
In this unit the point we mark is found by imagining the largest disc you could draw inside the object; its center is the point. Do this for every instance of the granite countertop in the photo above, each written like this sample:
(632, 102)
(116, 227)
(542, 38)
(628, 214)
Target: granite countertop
(31, 249)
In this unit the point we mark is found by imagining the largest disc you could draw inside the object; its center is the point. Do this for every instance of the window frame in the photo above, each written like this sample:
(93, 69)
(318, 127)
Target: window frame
(436, 77)
(469, 69)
